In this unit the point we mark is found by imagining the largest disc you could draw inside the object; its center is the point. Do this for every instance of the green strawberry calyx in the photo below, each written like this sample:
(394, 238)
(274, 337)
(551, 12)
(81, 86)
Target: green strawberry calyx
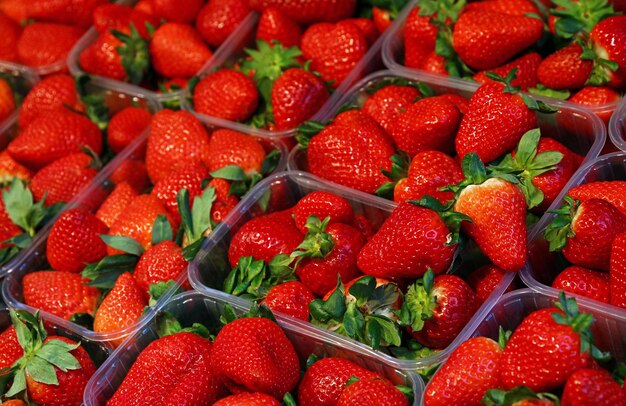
(503, 337)
(541, 90)
(400, 162)
(560, 228)
(230, 314)
(579, 16)
(602, 68)
(442, 10)
(307, 131)
(317, 242)
(252, 279)
(366, 314)
(196, 222)
(425, 89)
(531, 103)
(134, 53)
(168, 324)
(499, 397)
(242, 182)
(419, 303)
(526, 165)
(40, 359)
(160, 289)
(580, 323)
(96, 108)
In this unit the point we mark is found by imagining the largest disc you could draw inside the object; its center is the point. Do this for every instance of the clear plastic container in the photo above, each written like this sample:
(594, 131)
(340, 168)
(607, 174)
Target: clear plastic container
(393, 58)
(579, 130)
(543, 266)
(371, 62)
(210, 267)
(24, 78)
(193, 307)
(617, 126)
(609, 330)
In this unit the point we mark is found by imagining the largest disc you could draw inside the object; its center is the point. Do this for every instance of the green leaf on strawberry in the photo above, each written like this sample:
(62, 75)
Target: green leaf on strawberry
(452, 219)
(317, 242)
(399, 170)
(560, 228)
(22, 209)
(102, 275)
(160, 289)
(167, 325)
(196, 221)
(241, 182)
(123, 243)
(252, 278)
(161, 230)
(574, 17)
(307, 131)
(541, 90)
(419, 303)
(134, 53)
(443, 9)
(95, 108)
(500, 397)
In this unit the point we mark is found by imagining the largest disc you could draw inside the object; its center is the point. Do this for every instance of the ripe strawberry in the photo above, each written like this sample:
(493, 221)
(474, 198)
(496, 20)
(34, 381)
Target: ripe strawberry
(470, 371)
(325, 380)
(617, 273)
(7, 100)
(484, 280)
(176, 139)
(610, 191)
(606, 37)
(428, 124)
(177, 11)
(177, 50)
(291, 298)
(54, 135)
(296, 96)
(585, 232)
(592, 386)
(547, 347)
(228, 147)
(125, 127)
(225, 201)
(10, 32)
(189, 177)
(102, 58)
(372, 392)
(309, 11)
(46, 43)
(257, 342)
(248, 398)
(276, 25)
(334, 49)
(596, 96)
(412, 240)
(382, 19)
(527, 68)
(387, 103)
(438, 308)
(11, 349)
(226, 94)
(121, 307)
(11, 170)
(63, 179)
(175, 368)
(60, 293)
(74, 241)
(509, 7)
(367, 27)
(52, 93)
(160, 263)
(218, 19)
(322, 204)
(265, 237)
(487, 39)
(117, 202)
(71, 12)
(584, 282)
(565, 69)
(108, 17)
(419, 36)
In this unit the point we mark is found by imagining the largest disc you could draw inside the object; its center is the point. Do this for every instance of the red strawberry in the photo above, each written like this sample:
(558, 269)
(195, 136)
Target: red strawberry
(102, 57)
(184, 11)
(309, 11)
(125, 127)
(419, 38)
(584, 282)
(72, 12)
(60, 293)
(382, 19)
(225, 201)
(596, 96)
(176, 139)
(11, 170)
(189, 177)
(247, 399)
(116, 203)
(565, 69)
(526, 65)
(118, 17)
(74, 241)
(218, 19)
(470, 371)
(52, 93)
(249, 343)
(45, 43)
(334, 49)
(12, 350)
(610, 191)
(487, 39)
(372, 392)
(291, 298)
(411, 241)
(226, 94)
(617, 273)
(510, 7)
(228, 147)
(160, 263)
(322, 204)
(10, 32)
(177, 50)
(175, 368)
(592, 386)
(387, 103)
(607, 36)
(585, 232)
(484, 280)
(133, 172)
(276, 25)
(54, 135)
(296, 96)
(368, 29)
(7, 100)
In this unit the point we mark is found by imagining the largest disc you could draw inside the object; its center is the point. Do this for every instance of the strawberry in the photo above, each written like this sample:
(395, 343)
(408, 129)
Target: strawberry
(226, 94)
(527, 70)
(570, 19)
(175, 368)
(258, 342)
(436, 309)
(117, 202)
(596, 96)
(102, 57)
(411, 241)
(177, 50)
(265, 237)
(610, 191)
(309, 11)
(11, 170)
(108, 17)
(59, 293)
(176, 139)
(71, 12)
(485, 280)
(225, 202)
(325, 380)
(54, 135)
(291, 298)
(160, 263)
(189, 177)
(428, 124)
(218, 19)
(7, 100)
(74, 241)
(46, 43)
(547, 347)
(390, 101)
(52, 93)
(12, 350)
(121, 307)
(565, 69)
(296, 96)
(470, 371)
(274, 25)
(617, 281)
(592, 386)
(367, 28)
(63, 367)
(583, 282)
(125, 127)
(585, 231)
(382, 19)
(509, 7)
(487, 39)
(247, 398)
(10, 32)
(606, 36)
(177, 11)
(497, 209)
(322, 204)
(372, 392)
(228, 148)
(334, 49)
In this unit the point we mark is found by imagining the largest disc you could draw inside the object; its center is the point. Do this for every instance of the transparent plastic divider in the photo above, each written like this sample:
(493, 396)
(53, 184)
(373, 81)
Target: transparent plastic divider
(617, 126)
(28, 79)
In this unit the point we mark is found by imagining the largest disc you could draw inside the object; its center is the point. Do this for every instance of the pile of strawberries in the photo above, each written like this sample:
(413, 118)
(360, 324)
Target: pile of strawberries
(564, 49)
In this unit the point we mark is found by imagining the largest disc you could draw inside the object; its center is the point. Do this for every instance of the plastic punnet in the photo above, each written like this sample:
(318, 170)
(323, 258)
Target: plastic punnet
(25, 78)
(617, 126)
